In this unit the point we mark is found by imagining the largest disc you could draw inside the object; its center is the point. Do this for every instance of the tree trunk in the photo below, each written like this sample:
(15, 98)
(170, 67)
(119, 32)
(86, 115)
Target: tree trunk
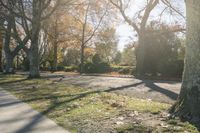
(34, 61)
(140, 55)
(33, 56)
(9, 68)
(6, 47)
(55, 57)
(188, 104)
(82, 59)
(1, 48)
(33, 53)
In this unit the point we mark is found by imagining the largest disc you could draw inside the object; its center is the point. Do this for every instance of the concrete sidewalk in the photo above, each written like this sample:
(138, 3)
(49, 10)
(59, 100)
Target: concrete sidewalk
(19, 117)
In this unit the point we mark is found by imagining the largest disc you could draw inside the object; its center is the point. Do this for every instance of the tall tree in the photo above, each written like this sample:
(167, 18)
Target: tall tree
(106, 45)
(31, 14)
(90, 15)
(140, 22)
(139, 27)
(11, 33)
(1, 46)
(1, 36)
(188, 104)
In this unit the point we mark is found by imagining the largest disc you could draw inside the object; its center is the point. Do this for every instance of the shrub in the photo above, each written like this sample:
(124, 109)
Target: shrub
(89, 67)
(174, 68)
(123, 69)
(70, 68)
(60, 68)
(96, 66)
(103, 67)
(126, 71)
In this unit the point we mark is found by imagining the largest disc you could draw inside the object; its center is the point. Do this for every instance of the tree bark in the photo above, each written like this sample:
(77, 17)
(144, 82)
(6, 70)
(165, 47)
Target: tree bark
(55, 56)
(33, 56)
(8, 54)
(9, 68)
(188, 104)
(82, 59)
(33, 53)
(140, 55)
(1, 46)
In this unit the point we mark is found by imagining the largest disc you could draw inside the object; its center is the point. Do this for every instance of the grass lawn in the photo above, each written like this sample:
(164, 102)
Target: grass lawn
(86, 111)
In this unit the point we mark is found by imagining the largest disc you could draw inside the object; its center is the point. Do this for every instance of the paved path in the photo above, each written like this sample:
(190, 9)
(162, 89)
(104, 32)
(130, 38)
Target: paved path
(161, 91)
(156, 90)
(18, 117)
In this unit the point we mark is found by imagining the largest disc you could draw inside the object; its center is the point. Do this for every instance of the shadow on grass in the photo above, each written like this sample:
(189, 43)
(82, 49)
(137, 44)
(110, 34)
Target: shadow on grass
(151, 85)
(55, 104)
(26, 78)
(11, 82)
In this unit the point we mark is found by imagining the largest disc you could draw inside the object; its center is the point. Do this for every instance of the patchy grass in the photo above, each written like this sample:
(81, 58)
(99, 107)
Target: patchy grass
(133, 128)
(78, 109)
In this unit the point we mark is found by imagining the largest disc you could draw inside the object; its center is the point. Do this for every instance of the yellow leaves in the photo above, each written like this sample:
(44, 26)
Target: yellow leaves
(89, 51)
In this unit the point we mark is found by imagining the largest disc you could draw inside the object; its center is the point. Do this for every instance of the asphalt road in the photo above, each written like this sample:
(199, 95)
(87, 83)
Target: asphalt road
(161, 91)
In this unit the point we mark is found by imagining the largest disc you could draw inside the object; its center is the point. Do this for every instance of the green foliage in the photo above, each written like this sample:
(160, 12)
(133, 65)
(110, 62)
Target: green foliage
(162, 51)
(128, 55)
(72, 57)
(60, 68)
(96, 59)
(96, 66)
(123, 69)
(106, 45)
(70, 68)
(126, 71)
(118, 58)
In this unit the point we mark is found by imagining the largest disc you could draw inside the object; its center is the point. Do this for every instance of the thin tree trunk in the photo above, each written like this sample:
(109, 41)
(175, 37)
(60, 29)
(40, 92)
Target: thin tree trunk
(188, 104)
(55, 57)
(82, 59)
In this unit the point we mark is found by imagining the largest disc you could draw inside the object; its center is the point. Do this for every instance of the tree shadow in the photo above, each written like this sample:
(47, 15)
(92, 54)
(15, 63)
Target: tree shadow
(123, 87)
(55, 104)
(12, 82)
(26, 78)
(150, 84)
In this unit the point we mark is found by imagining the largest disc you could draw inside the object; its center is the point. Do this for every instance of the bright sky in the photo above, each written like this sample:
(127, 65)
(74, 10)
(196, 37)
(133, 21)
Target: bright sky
(126, 33)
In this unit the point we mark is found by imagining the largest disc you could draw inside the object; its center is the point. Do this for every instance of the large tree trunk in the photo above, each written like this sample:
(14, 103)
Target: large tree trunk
(1, 48)
(33, 54)
(188, 104)
(140, 55)
(8, 54)
(34, 60)
(9, 66)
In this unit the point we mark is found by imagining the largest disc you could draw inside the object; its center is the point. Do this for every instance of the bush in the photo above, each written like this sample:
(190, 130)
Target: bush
(103, 67)
(174, 68)
(126, 71)
(70, 68)
(123, 69)
(89, 67)
(60, 68)
(96, 66)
